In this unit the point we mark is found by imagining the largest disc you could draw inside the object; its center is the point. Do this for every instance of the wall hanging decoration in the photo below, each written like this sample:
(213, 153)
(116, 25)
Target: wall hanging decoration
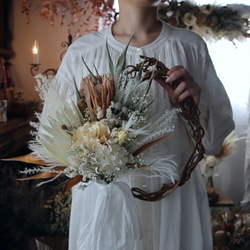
(85, 15)
(210, 21)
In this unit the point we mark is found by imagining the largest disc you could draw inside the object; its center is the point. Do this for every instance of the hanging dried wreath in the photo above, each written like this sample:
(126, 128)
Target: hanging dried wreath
(88, 16)
(210, 21)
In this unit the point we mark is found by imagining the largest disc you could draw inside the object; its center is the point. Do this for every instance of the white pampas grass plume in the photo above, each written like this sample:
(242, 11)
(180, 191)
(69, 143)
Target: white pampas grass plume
(52, 141)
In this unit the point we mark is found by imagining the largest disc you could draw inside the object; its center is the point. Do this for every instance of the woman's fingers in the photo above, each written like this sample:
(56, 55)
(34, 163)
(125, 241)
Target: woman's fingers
(186, 89)
(178, 72)
(170, 91)
(187, 86)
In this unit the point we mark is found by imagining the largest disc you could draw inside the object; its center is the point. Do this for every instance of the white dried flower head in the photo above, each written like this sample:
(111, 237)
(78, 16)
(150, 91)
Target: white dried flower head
(99, 113)
(112, 157)
(122, 135)
(113, 132)
(206, 9)
(212, 161)
(74, 160)
(118, 106)
(194, 28)
(169, 13)
(109, 113)
(206, 32)
(189, 19)
(125, 110)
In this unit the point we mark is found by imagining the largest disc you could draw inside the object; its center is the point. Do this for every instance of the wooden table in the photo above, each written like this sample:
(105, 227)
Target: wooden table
(224, 200)
(14, 135)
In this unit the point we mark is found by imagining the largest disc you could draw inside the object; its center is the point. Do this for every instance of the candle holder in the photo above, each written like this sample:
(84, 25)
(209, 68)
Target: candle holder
(66, 45)
(35, 69)
(35, 66)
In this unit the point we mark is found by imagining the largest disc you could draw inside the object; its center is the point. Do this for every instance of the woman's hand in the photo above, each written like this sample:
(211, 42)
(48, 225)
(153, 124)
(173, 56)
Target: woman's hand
(187, 86)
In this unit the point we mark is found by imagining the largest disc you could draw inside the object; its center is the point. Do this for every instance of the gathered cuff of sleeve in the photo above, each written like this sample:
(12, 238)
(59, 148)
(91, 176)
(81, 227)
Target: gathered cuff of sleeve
(216, 120)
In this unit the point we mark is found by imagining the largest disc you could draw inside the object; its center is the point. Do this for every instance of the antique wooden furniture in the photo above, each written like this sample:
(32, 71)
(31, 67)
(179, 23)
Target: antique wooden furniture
(14, 135)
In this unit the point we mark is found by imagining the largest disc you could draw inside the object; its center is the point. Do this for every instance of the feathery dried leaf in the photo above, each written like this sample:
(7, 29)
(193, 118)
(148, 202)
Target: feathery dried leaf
(29, 158)
(44, 175)
(141, 149)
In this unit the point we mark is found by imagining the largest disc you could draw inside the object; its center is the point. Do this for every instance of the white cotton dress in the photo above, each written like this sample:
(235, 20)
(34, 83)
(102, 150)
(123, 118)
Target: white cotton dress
(182, 220)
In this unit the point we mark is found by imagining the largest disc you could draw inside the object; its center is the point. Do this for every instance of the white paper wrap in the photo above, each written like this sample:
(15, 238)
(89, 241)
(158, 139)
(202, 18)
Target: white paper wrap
(116, 223)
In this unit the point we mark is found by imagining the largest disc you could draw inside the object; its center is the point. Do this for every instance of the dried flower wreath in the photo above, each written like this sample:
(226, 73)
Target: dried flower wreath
(210, 21)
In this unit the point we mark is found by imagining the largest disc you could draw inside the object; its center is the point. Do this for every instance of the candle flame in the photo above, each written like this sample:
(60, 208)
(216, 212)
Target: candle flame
(35, 48)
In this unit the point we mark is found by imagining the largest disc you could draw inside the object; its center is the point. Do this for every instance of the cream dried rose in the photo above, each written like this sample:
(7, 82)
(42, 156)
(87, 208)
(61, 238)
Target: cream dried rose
(91, 133)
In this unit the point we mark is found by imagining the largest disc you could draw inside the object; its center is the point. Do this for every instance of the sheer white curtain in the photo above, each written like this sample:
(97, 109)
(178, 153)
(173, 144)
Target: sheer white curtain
(232, 66)
(231, 63)
(246, 201)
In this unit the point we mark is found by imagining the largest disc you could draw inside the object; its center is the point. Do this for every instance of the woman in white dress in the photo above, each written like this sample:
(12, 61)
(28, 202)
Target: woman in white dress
(182, 220)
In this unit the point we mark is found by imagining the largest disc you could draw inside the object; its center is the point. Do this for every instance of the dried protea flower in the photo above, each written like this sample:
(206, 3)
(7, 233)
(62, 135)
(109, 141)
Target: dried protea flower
(82, 104)
(98, 92)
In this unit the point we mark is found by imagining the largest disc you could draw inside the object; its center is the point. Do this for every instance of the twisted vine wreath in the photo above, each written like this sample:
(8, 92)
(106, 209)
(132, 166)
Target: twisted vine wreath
(190, 112)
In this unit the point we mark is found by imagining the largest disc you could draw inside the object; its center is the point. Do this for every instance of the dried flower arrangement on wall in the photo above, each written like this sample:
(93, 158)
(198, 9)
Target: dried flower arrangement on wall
(87, 15)
(210, 21)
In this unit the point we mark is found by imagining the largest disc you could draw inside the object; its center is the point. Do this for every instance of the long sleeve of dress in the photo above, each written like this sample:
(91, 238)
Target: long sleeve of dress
(216, 111)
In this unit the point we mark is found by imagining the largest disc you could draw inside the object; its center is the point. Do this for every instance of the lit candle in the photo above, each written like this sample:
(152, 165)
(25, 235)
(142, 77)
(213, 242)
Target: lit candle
(35, 53)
